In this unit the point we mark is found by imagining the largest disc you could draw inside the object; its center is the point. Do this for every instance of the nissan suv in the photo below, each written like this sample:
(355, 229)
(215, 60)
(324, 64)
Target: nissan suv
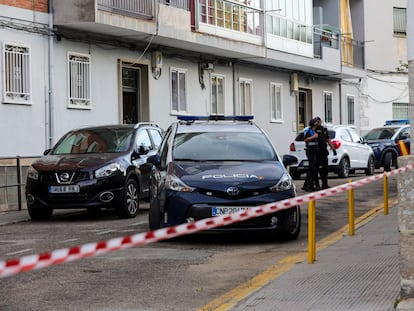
(93, 168)
(218, 165)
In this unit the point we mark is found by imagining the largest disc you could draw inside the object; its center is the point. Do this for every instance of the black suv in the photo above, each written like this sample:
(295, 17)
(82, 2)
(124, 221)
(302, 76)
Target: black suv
(387, 142)
(94, 167)
(212, 166)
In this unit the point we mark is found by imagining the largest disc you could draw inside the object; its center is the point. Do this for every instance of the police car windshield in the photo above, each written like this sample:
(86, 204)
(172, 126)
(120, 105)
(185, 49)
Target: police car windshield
(222, 146)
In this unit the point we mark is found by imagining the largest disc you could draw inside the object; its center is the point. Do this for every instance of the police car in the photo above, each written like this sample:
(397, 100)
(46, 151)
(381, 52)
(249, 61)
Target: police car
(212, 166)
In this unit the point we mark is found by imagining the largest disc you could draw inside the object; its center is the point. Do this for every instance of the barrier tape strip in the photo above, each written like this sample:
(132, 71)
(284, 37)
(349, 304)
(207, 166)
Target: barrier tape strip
(32, 262)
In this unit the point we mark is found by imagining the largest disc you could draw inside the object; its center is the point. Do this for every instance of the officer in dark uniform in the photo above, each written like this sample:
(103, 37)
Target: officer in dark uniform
(323, 142)
(312, 153)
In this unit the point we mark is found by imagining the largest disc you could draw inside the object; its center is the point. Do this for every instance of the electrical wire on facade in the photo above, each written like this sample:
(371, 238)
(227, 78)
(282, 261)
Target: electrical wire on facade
(32, 27)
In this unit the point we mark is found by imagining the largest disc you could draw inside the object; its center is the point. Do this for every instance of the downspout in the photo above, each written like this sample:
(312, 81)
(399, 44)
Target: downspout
(50, 106)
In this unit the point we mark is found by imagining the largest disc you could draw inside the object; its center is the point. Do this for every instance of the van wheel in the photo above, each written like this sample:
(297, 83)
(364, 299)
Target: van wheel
(291, 228)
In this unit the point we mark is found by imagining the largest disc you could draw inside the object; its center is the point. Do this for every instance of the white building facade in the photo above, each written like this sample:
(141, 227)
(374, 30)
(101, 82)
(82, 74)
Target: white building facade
(384, 92)
(99, 62)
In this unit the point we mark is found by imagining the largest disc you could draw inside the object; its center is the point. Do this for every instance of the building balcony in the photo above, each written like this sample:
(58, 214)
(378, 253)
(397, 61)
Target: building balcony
(218, 28)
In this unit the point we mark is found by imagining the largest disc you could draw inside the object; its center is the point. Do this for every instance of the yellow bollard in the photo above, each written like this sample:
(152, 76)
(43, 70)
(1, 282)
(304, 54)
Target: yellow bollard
(311, 232)
(351, 208)
(385, 194)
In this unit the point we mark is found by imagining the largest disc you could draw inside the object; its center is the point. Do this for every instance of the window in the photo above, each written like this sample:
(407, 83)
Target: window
(327, 103)
(16, 73)
(350, 101)
(276, 101)
(400, 111)
(79, 80)
(217, 94)
(245, 97)
(178, 90)
(400, 21)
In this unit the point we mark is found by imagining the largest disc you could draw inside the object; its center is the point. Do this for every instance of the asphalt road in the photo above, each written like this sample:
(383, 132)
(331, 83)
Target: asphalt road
(180, 274)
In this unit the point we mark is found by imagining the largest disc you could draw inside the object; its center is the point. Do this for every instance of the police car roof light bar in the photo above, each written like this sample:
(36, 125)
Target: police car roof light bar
(213, 118)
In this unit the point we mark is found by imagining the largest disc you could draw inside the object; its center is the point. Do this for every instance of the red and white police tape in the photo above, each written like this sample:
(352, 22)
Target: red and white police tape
(32, 262)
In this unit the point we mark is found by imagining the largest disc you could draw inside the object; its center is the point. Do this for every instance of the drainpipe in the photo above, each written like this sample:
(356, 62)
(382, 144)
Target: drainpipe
(50, 106)
(233, 68)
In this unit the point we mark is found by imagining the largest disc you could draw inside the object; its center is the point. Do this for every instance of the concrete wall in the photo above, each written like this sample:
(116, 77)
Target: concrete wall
(22, 127)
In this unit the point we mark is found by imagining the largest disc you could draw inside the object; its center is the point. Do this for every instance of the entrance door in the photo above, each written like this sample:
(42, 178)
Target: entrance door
(130, 98)
(135, 103)
(304, 108)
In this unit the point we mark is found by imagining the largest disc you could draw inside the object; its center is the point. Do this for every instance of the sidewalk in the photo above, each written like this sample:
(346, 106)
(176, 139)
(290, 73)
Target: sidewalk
(359, 272)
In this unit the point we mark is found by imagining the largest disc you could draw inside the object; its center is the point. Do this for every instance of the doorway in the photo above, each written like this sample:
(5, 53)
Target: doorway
(304, 108)
(134, 93)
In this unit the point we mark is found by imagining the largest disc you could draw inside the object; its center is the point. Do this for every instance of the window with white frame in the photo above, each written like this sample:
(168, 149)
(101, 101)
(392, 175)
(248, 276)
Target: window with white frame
(276, 101)
(327, 104)
(217, 94)
(350, 102)
(16, 59)
(400, 111)
(178, 90)
(400, 21)
(245, 96)
(79, 80)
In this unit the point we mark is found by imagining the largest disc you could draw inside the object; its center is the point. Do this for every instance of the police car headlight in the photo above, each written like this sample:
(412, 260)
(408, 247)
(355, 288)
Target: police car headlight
(285, 183)
(32, 173)
(107, 170)
(174, 183)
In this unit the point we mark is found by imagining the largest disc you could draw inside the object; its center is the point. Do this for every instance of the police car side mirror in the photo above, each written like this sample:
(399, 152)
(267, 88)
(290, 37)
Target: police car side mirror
(154, 160)
(289, 160)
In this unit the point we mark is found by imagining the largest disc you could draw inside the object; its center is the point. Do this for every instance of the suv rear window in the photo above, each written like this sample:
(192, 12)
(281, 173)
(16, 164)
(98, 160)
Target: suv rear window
(301, 136)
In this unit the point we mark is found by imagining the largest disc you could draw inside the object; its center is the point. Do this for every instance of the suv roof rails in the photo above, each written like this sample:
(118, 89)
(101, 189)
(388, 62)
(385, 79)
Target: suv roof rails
(190, 118)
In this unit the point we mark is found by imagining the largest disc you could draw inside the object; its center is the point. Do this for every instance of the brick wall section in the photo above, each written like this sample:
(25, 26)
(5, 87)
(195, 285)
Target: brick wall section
(35, 5)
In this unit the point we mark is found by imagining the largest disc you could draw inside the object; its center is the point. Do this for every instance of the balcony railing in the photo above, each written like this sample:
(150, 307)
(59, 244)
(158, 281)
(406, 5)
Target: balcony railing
(230, 15)
(137, 8)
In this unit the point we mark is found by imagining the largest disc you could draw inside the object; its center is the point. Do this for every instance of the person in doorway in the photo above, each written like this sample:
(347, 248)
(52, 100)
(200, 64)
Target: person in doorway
(323, 142)
(312, 153)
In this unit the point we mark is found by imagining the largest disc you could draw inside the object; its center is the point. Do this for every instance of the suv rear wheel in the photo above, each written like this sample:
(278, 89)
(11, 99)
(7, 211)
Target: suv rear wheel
(343, 170)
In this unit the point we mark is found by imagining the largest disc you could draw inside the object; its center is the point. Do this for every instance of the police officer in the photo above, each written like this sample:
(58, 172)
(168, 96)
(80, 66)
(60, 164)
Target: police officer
(323, 142)
(312, 153)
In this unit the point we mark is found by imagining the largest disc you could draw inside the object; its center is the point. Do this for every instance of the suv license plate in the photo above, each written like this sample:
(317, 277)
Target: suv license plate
(64, 189)
(225, 210)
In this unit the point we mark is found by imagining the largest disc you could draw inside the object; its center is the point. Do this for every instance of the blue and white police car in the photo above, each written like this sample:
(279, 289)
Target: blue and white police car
(217, 165)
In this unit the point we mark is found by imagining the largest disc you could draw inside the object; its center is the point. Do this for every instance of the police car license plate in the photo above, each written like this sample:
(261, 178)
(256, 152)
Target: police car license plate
(64, 189)
(226, 210)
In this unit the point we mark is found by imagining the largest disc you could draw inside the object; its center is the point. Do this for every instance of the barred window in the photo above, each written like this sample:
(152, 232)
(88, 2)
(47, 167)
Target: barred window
(245, 97)
(16, 73)
(327, 103)
(79, 80)
(400, 21)
(350, 101)
(400, 111)
(276, 101)
(178, 90)
(217, 94)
